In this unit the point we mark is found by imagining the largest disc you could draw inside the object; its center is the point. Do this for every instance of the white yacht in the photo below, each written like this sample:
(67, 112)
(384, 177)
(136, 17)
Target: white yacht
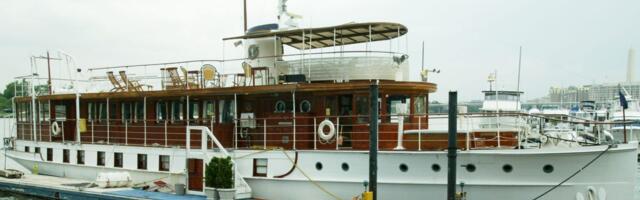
(296, 124)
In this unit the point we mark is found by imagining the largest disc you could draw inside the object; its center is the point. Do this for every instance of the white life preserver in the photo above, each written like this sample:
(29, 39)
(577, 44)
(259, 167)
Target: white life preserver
(544, 139)
(55, 128)
(330, 134)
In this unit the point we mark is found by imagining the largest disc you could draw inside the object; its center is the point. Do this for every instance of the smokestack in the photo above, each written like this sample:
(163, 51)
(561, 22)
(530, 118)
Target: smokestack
(631, 66)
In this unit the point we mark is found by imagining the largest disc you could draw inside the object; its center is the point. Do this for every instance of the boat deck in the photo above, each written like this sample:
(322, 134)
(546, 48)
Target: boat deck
(67, 188)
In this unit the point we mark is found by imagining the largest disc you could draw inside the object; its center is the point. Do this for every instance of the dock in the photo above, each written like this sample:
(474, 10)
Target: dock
(66, 188)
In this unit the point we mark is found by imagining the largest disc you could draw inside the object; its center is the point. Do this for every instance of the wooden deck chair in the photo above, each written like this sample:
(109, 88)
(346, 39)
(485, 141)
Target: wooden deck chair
(248, 73)
(131, 84)
(189, 81)
(176, 81)
(117, 87)
(209, 75)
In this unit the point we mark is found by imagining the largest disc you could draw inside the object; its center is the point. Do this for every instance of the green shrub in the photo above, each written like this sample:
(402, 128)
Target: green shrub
(219, 173)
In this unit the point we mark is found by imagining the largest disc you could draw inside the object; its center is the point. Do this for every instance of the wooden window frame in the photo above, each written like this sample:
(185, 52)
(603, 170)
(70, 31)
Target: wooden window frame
(256, 166)
(160, 163)
(142, 163)
(118, 159)
(80, 157)
(101, 161)
(50, 154)
(65, 155)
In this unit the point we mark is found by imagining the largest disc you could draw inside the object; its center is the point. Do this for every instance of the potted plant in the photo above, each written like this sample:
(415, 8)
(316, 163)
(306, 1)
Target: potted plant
(224, 176)
(210, 174)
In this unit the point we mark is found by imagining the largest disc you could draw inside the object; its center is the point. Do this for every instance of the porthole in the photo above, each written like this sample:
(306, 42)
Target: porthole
(345, 167)
(507, 168)
(404, 167)
(435, 167)
(547, 169)
(280, 106)
(470, 167)
(305, 106)
(318, 166)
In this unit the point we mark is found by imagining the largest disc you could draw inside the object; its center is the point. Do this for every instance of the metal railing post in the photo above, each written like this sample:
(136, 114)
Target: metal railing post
(264, 132)
(144, 119)
(419, 133)
(92, 133)
(126, 132)
(337, 132)
(315, 135)
(166, 144)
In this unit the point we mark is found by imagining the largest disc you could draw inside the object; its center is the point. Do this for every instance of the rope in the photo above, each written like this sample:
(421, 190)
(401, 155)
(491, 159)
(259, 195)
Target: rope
(254, 153)
(574, 174)
(309, 178)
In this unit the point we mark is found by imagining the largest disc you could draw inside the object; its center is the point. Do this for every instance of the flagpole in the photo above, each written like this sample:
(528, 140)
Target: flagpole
(624, 123)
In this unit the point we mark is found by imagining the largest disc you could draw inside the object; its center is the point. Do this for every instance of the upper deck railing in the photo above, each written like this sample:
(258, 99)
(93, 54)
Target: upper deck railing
(396, 132)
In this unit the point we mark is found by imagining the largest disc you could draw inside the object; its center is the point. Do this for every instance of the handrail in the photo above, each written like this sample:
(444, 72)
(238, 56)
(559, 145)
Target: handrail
(237, 59)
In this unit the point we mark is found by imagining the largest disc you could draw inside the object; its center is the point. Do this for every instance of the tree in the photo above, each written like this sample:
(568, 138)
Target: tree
(11, 88)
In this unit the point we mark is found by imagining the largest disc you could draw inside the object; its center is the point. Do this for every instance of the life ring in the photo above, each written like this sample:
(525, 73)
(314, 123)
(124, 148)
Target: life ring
(55, 128)
(544, 139)
(330, 134)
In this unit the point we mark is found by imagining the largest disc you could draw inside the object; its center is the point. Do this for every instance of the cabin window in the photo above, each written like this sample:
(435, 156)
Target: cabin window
(49, 154)
(305, 106)
(112, 111)
(101, 158)
(142, 161)
(420, 105)
(362, 108)
(61, 112)
(164, 163)
(396, 106)
(26, 148)
(161, 111)
(209, 112)
(260, 167)
(102, 112)
(65, 155)
(117, 159)
(193, 110)
(176, 111)
(25, 112)
(139, 112)
(44, 111)
(126, 113)
(91, 111)
(228, 111)
(80, 157)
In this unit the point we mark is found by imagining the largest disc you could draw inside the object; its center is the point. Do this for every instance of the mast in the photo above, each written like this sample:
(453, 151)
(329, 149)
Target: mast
(49, 72)
(518, 84)
(245, 15)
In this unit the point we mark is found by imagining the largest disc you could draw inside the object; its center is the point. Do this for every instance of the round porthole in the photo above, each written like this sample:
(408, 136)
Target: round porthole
(253, 51)
(470, 167)
(547, 169)
(318, 166)
(280, 106)
(305, 106)
(403, 167)
(345, 167)
(507, 168)
(435, 167)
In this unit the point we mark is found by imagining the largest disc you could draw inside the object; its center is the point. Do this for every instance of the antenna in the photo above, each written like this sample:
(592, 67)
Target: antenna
(422, 69)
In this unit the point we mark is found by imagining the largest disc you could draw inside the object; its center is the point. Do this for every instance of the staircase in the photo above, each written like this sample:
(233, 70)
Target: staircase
(243, 190)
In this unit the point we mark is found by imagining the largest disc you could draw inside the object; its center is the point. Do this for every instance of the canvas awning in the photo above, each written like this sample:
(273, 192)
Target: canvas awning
(351, 33)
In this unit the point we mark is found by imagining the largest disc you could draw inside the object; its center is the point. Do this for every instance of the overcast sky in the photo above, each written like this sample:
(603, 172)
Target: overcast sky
(564, 42)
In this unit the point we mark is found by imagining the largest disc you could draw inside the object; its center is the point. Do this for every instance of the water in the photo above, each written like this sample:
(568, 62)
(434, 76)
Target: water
(4, 195)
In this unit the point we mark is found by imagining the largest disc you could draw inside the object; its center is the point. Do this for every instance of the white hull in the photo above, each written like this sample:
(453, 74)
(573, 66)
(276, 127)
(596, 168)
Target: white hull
(611, 174)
